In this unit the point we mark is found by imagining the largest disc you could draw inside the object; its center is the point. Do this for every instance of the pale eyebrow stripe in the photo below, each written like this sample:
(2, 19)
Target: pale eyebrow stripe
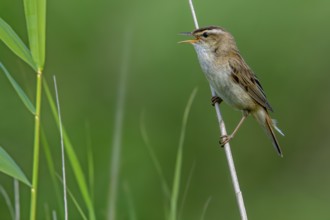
(215, 31)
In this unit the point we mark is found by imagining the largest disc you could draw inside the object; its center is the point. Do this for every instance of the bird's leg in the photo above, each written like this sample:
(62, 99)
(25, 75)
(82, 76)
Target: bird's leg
(215, 99)
(224, 139)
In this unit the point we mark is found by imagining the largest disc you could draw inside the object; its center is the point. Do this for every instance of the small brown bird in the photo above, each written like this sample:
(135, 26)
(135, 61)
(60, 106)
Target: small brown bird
(232, 79)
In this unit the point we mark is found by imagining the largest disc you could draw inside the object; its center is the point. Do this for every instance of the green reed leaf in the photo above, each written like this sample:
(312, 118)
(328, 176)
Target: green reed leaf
(25, 99)
(35, 15)
(14, 42)
(9, 167)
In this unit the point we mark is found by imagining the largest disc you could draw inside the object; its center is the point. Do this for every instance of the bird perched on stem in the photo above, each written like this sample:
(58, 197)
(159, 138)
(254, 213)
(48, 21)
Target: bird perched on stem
(232, 79)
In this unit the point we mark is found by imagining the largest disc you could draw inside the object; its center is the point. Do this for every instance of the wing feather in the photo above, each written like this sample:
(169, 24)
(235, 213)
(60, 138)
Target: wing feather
(245, 77)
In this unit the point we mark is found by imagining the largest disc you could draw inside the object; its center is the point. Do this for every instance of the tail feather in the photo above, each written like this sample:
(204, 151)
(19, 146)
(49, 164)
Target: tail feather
(270, 133)
(268, 124)
(274, 123)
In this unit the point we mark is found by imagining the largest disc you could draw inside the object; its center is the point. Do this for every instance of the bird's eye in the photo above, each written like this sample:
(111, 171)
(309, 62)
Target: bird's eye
(205, 34)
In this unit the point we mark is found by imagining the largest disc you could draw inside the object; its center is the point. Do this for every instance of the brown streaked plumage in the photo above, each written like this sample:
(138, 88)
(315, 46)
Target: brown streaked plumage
(232, 79)
(247, 79)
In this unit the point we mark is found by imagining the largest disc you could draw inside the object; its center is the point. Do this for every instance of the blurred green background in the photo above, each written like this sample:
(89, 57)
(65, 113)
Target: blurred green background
(286, 43)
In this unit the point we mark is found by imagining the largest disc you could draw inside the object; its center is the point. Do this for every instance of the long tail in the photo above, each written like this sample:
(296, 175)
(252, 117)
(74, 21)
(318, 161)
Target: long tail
(268, 124)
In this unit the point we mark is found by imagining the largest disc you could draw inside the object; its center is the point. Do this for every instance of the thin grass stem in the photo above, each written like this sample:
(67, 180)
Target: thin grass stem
(185, 193)
(47, 215)
(54, 215)
(145, 137)
(62, 151)
(16, 196)
(75, 202)
(177, 173)
(90, 161)
(71, 155)
(130, 202)
(6, 197)
(118, 126)
(230, 160)
(207, 203)
(52, 172)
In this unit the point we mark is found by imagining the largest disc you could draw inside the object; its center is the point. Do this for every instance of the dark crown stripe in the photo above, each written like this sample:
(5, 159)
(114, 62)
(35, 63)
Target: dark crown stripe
(207, 28)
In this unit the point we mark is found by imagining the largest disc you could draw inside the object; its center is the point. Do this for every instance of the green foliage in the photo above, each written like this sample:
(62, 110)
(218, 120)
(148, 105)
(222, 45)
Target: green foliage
(9, 204)
(155, 160)
(35, 14)
(52, 170)
(289, 54)
(12, 40)
(177, 172)
(76, 203)
(25, 99)
(72, 156)
(130, 203)
(9, 167)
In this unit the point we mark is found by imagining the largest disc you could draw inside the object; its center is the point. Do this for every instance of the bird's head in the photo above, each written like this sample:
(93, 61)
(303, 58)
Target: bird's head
(210, 37)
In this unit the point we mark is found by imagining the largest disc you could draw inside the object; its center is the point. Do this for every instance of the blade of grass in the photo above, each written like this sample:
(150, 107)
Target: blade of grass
(206, 205)
(75, 201)
(16, 196)
(51, 168)
(144, 133)
(35, 15)
(177, 172)
(185, 193)
(130, 202)
(54, 215)
(15, 44)
(72, 156)
(41, 5)
(62, 151)
(9, 167)
(117, 134)
(5, 195)
(164, 184)
(90, 161)
(26, 101)
(47, 213)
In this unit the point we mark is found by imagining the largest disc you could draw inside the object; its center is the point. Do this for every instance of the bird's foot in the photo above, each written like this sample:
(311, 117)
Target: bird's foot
(224, 139)
(215, 99)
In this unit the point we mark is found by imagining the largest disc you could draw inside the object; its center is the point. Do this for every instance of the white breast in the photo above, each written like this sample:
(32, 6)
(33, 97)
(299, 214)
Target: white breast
(219, 76)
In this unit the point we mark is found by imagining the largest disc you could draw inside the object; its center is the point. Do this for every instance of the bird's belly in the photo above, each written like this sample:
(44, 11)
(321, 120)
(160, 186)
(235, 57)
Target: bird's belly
(220, 79)
(229, 91)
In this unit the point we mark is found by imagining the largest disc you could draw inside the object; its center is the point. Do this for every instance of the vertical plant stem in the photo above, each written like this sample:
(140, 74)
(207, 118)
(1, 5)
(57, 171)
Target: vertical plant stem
(54, 215)
(17, 204)
(185, 192)
(90, 162)
(6, 197)
(36, 148)
(205, 207)
(230, 160)
(62, 151)
(72, 156)
(178, 164)
(117, 135)
(51, 170)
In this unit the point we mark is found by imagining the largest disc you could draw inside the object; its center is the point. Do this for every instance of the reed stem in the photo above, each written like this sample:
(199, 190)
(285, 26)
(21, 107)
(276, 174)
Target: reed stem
(230, 160)
(36, 148)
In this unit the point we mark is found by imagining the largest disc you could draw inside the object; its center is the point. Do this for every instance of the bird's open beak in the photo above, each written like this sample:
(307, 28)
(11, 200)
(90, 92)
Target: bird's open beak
(188, 41)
